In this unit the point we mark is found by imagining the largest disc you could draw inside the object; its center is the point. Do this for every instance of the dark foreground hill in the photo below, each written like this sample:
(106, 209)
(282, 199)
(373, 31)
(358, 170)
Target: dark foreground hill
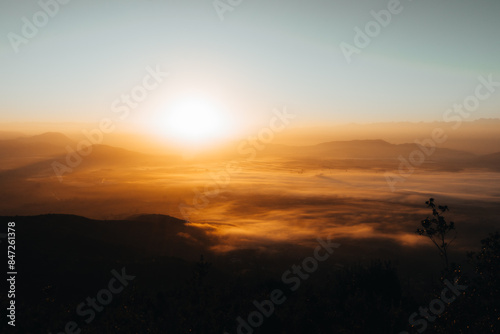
(144, 275)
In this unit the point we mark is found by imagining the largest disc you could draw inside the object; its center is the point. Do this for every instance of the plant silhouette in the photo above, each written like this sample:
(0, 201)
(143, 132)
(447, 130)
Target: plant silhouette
(436, 228)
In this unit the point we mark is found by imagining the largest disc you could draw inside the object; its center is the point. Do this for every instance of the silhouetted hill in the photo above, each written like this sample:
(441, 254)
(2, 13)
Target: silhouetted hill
(357, 149)
(66, 261)
(54, 138)
(377, 155)
(363, 149)
(25, 150)
(39, 145)
(137, 236)
(479, 136)
(489, 161)
(100, 156)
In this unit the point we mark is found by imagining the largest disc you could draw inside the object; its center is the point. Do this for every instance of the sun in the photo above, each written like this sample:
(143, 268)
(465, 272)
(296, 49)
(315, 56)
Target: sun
(193, 120)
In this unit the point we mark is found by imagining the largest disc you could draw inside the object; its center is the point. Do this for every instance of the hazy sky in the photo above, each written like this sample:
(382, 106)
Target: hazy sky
(264, 54)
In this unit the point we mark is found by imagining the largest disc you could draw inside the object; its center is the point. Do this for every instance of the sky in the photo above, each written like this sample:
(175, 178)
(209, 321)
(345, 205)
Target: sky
(261, 55)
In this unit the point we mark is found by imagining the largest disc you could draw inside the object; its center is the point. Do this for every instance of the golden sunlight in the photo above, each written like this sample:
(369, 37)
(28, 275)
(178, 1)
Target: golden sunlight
(193, 120)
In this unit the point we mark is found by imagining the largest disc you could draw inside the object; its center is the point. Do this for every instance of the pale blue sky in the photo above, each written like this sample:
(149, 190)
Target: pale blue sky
(264, 54)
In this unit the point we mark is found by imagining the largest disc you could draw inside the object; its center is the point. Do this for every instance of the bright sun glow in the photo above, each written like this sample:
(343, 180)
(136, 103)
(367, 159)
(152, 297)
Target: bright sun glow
(193, 121)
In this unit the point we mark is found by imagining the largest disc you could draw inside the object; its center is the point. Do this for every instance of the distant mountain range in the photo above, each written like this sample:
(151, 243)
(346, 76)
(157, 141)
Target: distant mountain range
(44, 145)
(479, 136)
(365, 149)
(34, 156)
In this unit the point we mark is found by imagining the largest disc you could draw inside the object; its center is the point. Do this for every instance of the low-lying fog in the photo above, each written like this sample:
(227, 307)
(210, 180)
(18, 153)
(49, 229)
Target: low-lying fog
(291, 194)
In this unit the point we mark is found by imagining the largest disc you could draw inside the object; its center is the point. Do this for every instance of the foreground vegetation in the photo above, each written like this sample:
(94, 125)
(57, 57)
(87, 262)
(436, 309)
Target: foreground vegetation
(172, 295)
